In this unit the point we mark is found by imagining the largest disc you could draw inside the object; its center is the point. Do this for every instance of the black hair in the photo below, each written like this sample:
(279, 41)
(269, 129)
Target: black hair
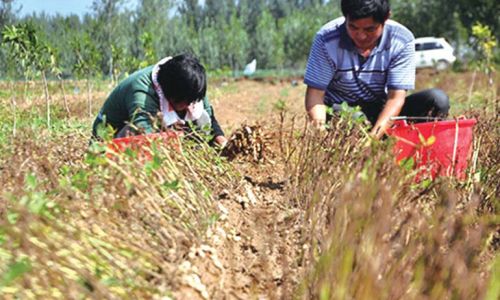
(183, 79)
(360, 9)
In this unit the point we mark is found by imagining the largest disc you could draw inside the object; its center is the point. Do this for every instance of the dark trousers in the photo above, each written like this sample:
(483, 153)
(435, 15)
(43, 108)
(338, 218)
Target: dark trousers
(427, 103)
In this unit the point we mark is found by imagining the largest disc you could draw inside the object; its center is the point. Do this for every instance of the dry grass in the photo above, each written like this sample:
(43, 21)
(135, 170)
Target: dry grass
(371, 230)
(103, 226)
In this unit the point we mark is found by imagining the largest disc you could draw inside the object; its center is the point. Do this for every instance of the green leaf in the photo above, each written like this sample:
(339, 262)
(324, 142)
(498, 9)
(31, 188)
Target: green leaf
(153, 164)
(493, 292)
(426, 183)
(430, 141)
(37, 204)
(80, 180)
(15, 271)
(325, 292)
(407, 163)
(329, 110)
(130, 153)
(157, 162)
(111, 281)
(12, 217)
(421, 138)
(3, 237)
(280, 105)
(173, 185)
(31, 181)
(213, 219)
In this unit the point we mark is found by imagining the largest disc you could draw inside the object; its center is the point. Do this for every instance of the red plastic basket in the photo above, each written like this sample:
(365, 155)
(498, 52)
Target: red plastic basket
(440, 148)
(141, 143)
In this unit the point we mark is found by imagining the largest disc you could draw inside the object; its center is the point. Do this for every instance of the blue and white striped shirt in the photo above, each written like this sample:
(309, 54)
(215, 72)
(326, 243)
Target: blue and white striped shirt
(334, 67)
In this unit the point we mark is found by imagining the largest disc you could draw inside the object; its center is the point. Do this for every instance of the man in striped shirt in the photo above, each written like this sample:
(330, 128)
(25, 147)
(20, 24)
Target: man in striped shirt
(366, 60)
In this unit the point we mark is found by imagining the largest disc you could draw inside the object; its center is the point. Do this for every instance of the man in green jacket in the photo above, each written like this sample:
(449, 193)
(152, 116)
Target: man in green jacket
(165, 95)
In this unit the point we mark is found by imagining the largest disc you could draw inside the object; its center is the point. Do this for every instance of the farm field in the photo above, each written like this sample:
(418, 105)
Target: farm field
(283, 212)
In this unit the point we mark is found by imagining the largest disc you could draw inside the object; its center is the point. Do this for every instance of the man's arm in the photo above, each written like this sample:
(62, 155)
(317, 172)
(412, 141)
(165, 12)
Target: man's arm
(400, 78)
(315, 106)
(219, 137)
(392, 108)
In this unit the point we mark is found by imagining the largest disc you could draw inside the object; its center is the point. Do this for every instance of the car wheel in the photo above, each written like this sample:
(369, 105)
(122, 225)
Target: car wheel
(442, 65)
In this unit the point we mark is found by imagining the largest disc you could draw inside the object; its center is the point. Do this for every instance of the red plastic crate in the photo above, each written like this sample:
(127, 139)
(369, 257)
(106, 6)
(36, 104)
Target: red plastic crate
(141, 143)
(438, 148)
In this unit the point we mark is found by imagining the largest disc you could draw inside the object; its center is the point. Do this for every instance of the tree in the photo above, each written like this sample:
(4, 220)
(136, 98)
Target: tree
(150, 56)
(279, 8)
(7, 12)
(7, 16)
(249, 12)
(191, 12)
(215, 9)
(236, 43)
(483, 11)
(485, 43)
(268, 42)
(299, 30)
(58, 31)
(34, 55)
(210, 52)
(87, 62)
(152, 26)
(105, 29)
(183, 37)
(157, 28)
(119, 62)
(421, 18)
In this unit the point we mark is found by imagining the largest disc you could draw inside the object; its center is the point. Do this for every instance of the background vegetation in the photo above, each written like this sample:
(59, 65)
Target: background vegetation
(224, 34)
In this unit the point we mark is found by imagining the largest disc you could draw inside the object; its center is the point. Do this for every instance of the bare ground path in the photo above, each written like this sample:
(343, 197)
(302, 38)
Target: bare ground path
(254, 250)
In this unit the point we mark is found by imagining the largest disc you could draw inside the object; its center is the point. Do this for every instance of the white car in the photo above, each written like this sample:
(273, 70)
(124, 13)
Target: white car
(432, 52)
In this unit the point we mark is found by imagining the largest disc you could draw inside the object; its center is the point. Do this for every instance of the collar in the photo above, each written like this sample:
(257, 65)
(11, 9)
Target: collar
(164, 105)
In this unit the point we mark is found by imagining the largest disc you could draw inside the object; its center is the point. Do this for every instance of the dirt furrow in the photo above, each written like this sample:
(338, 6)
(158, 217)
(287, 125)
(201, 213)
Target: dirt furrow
(253, 251)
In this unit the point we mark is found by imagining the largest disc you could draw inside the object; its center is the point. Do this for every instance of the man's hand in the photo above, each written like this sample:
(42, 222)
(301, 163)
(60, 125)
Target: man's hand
(318, 124)
(315, 107)
(221, 141)
(392, 108)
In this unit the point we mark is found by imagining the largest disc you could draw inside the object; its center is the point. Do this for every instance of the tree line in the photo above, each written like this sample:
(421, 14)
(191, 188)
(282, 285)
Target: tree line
(114, 38)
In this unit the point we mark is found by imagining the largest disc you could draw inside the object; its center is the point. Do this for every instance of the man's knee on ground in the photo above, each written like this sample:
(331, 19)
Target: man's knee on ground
(441, 102)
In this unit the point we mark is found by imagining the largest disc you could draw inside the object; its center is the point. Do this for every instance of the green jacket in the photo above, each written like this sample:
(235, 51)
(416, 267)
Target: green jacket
(135, 101)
